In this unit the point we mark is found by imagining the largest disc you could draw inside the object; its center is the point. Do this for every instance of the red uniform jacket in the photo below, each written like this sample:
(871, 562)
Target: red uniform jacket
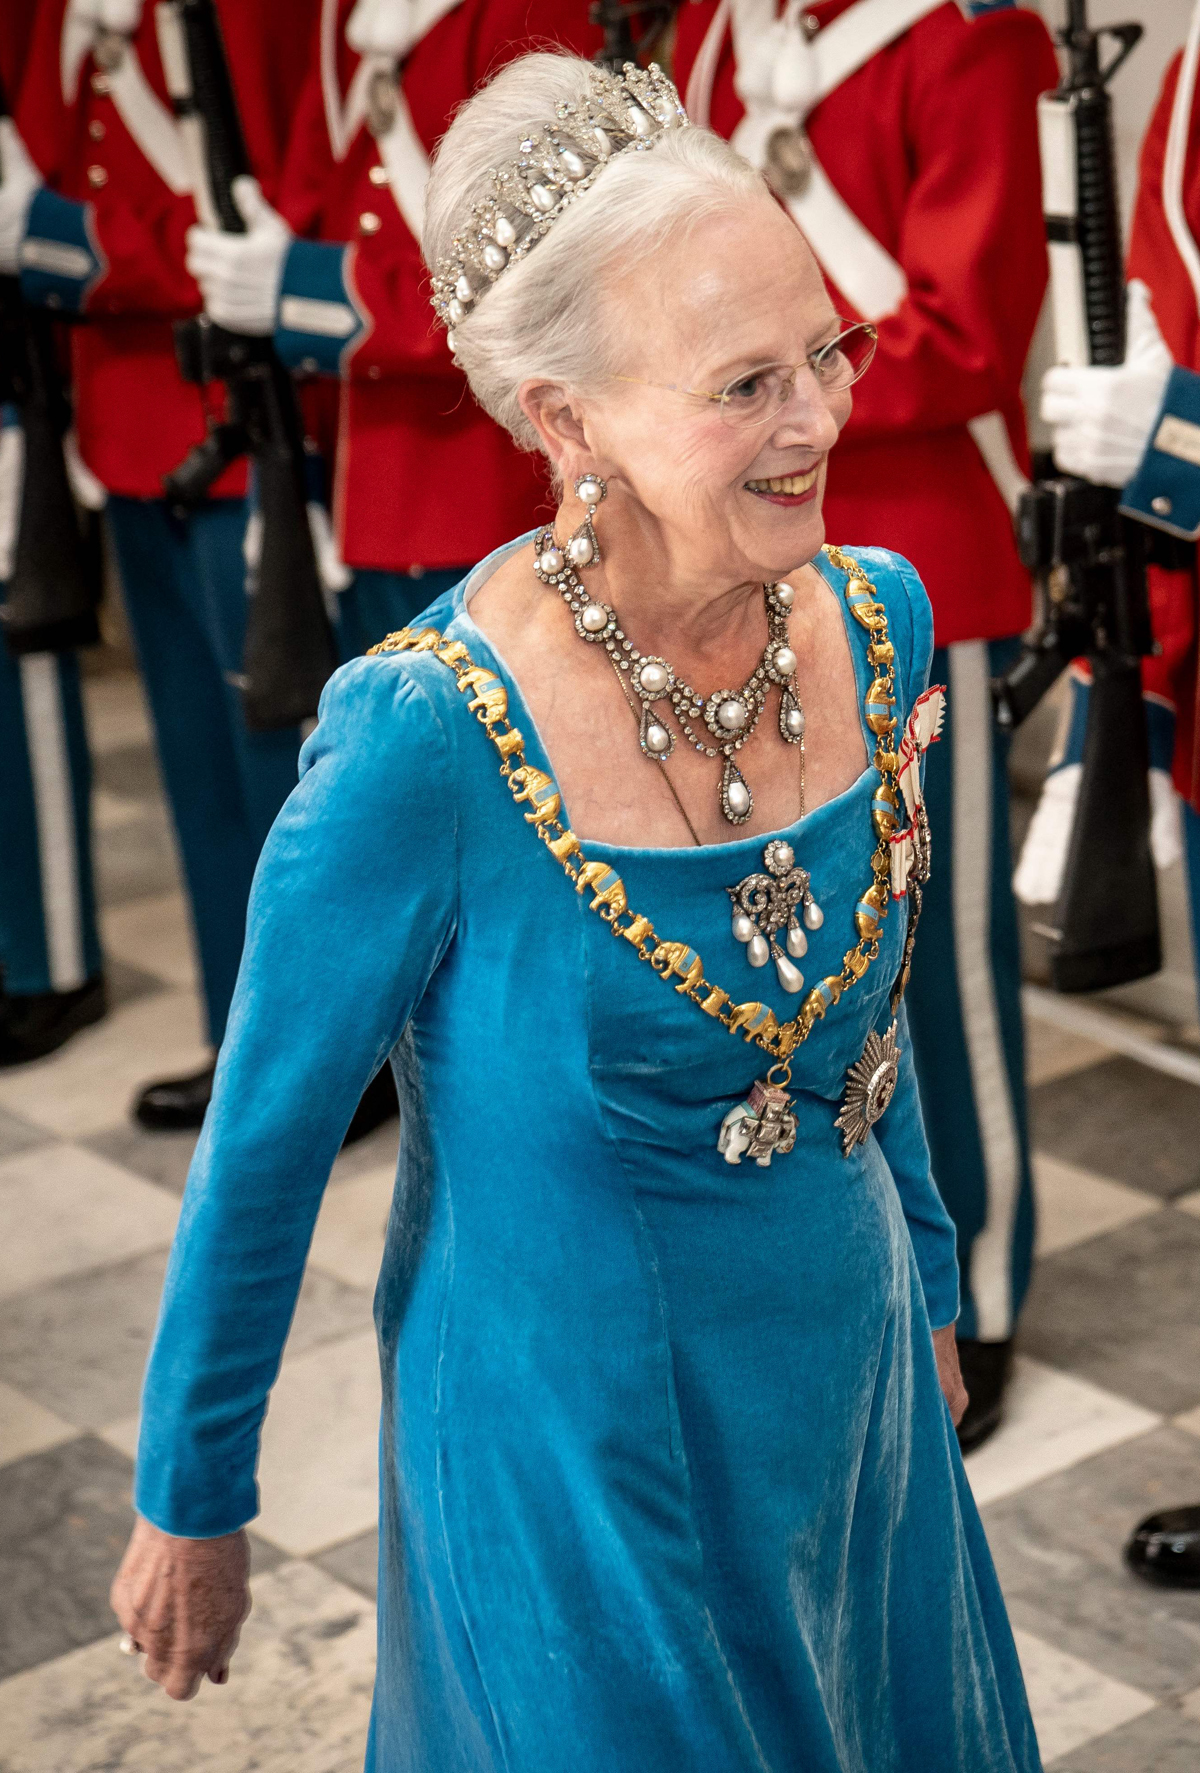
(135, 417)
(1154, 257)
(424, 478)
(933, 144)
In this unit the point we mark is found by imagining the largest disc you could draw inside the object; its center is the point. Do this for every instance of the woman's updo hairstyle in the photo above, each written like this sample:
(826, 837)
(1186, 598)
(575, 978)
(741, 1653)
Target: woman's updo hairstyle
(544, 317)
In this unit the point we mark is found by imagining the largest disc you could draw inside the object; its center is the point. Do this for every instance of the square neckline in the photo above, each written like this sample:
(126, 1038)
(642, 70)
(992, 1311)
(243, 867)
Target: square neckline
(478, 577)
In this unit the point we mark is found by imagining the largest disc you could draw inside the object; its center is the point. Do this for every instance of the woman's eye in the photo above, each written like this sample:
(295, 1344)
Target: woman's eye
(746, 389)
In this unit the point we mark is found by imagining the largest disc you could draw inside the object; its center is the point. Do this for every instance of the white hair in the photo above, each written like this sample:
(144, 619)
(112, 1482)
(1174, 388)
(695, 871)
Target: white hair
(544, 318)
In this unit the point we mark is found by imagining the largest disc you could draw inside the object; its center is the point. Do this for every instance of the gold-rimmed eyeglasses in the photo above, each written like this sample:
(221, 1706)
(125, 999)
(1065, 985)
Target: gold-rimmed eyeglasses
(755, 396)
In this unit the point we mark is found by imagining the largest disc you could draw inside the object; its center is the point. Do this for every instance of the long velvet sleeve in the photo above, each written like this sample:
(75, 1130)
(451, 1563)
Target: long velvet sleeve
(352, 909)
(901, 1136)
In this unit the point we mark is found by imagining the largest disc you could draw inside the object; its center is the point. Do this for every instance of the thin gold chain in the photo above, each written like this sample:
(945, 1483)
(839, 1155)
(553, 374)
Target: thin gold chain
(671, 960)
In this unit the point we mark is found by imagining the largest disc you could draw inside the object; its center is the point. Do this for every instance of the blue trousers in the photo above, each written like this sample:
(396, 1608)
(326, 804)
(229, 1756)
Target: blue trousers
(48, 939)
(184, 582)
(964, 1002)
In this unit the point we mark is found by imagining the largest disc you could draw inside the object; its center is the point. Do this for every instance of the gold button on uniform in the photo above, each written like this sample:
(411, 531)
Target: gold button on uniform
(369, 222)
(96, 130)
(97, 177)
(378, 175)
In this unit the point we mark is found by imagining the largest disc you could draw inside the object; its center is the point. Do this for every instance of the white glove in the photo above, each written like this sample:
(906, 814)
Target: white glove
(240, 274)
(1039, 876)
(1102, 418)
(21, 184)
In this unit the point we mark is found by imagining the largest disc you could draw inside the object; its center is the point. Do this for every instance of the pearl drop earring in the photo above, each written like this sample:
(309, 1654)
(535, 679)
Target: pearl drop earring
(583, 549)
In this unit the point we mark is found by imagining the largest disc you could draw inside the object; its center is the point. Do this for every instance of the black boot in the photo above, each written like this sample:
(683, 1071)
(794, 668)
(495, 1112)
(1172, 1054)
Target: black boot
(176, 1104)
(34, 1024)
(377, 1105)
(986, 1369)
(1165, 1548)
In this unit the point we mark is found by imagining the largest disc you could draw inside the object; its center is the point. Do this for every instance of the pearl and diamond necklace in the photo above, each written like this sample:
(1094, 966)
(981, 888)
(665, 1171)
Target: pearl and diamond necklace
(730, 716)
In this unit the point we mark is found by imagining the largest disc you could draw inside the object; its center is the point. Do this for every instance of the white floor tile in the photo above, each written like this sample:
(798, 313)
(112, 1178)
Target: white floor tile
(117, 715)
(154, 934)
(63, 1209)
(1190, 1203)
(1054, 1052)
(1053, 1420)
(1191, 1421)
(298, 1698)
(26, 1428)
(348, 1241)
(88, 1086)
(1072, 1703)
(1073, 1205)
(319, 1470)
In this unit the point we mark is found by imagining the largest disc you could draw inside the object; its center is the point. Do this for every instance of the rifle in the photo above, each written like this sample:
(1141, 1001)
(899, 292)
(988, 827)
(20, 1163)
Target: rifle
(289, 651)
(54, 587)
(1089, 561)
(616, 19)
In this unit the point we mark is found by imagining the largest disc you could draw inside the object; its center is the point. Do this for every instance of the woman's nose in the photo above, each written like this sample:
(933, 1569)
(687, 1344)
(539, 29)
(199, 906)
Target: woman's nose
(807, 416)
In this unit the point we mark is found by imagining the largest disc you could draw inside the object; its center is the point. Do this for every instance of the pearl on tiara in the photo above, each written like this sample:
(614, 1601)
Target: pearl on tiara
(553, 167)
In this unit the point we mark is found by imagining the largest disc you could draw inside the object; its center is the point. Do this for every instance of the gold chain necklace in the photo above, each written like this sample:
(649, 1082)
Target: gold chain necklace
(673, 960)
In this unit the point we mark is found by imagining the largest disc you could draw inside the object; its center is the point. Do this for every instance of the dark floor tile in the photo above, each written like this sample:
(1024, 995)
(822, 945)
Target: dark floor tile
(131, 772)
(79, 1346)
(356, 1562)
(1163, 1741)
(18, 1135)
(63, 1525)
(1057, 1548)
(136, 859)
(1122, 1120)
(126, 984)
(1124, 1310)
(159, 1157)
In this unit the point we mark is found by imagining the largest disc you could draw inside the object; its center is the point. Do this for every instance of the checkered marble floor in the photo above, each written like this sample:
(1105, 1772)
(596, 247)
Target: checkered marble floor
(1104, 1425)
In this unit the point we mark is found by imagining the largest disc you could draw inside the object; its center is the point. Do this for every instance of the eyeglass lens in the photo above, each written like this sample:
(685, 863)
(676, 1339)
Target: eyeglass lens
(754, 398)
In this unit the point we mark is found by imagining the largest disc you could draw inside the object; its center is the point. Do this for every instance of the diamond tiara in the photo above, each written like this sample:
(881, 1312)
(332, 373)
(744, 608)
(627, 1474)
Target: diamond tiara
(623, 113)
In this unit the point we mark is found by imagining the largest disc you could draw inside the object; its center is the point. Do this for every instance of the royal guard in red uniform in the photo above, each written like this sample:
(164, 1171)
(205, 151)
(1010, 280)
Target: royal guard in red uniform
(425, 483)
(104, 242)
(1137, 426)
(902, 136)
(52, 983)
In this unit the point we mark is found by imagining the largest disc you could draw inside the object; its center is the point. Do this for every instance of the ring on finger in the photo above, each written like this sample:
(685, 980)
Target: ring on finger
(128, 1646)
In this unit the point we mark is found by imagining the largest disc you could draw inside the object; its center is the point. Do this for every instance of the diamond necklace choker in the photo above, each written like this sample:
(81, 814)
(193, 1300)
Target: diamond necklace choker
(730, 716)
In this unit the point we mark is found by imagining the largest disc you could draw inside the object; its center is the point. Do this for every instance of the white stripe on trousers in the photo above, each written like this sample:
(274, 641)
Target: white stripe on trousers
(970, 707)
(50, 770)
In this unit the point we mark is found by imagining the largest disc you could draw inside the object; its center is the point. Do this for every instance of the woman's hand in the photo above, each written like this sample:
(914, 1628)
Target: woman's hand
(183, 1602)
(955, 1392)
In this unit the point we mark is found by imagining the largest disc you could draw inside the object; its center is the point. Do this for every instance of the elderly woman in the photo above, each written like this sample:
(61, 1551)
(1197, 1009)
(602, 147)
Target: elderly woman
(669, 1481)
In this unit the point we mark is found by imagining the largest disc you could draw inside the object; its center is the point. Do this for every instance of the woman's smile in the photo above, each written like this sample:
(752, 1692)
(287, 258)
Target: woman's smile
(786, 489)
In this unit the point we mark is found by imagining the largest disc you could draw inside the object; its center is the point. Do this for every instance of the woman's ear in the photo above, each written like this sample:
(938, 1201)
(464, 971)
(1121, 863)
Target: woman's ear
(556, 420)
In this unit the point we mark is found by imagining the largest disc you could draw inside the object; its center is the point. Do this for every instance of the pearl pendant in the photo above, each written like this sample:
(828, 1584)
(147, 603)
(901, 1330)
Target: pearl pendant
(814, 917)
(743, 927)
(785, 595)
(738, 796)
(595, 618)
(571, 164)
(580, 550)
(543, 198)
(462, 288)
(653, 678)
(795, 721)
(732, 716)
(456, 311)
(550, 561)
(505, 233)
(757, 951)
(494, 257)
(797, 941)
(790, 977)
(658, 739)
(590, 491)
(784, 661)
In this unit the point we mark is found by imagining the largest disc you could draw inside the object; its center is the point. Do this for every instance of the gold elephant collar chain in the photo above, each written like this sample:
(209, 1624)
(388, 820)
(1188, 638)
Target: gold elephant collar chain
(762, 1124)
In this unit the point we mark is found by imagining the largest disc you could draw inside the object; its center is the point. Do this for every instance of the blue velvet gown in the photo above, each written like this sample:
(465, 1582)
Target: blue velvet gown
(668, 1483)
